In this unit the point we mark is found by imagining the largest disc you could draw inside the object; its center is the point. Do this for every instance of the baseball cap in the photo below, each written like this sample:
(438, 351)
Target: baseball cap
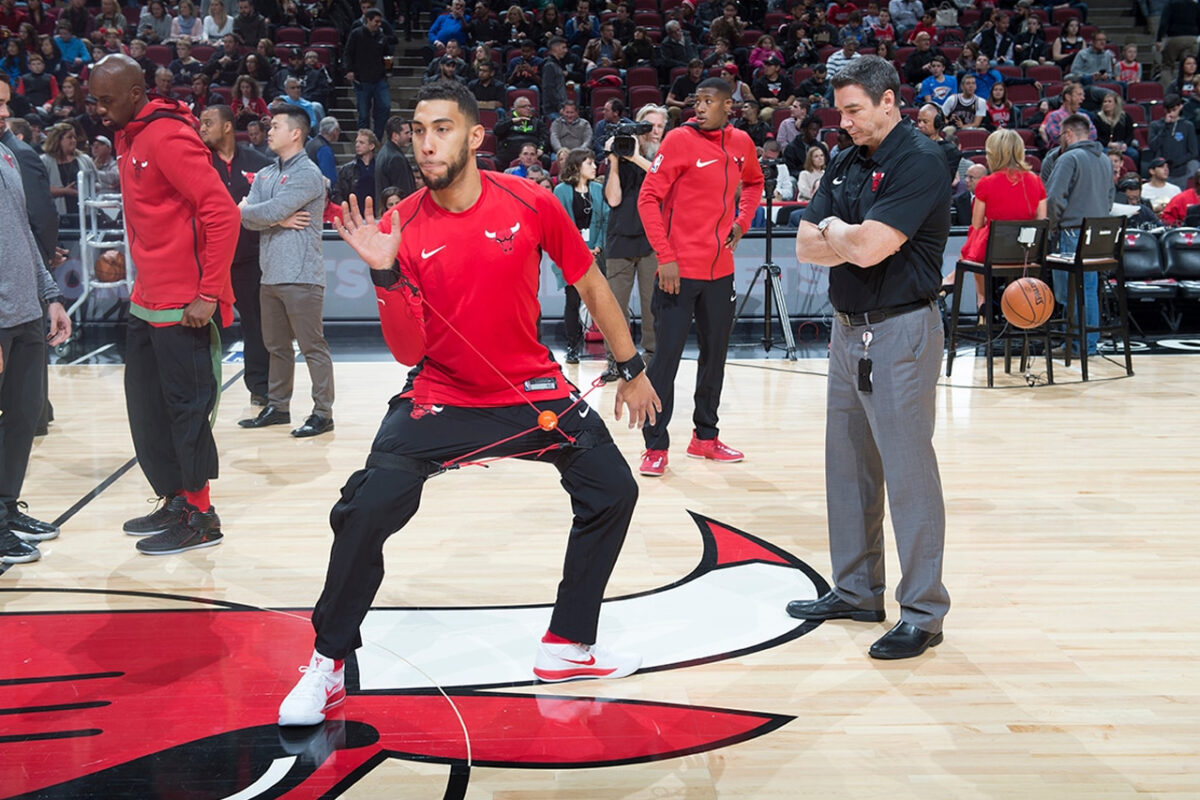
(773, 60)
(1158, 162)
(104, 139)
(1129, 183)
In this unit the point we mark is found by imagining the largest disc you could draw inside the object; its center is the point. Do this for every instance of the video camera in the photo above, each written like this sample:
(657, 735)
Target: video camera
(770, 173)
(625, 137)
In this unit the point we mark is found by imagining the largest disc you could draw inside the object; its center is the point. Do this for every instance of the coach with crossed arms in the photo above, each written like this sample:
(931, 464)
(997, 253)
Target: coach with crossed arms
(879, 220)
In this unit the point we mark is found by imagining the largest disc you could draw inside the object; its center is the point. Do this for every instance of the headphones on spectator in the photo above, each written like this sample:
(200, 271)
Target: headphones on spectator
(939, 119)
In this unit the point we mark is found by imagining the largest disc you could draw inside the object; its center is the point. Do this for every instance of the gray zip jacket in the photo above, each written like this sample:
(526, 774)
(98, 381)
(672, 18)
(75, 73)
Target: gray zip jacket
(1080, 185)
(24, 281)
(278, 191)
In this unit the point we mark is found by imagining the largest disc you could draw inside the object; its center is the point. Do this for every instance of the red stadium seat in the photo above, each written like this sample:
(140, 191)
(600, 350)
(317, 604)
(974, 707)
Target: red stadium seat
(1144, 92)
(641, 76)
(1061, 15)
(1009, 71)
(1026, 136)
(203, 52)
(972, 138)
(830, 118)
(645, 5)
(489, 144)
(513, 94)
(290, 35)
(978, 159)
(901, 55)
(323, 36)
(159, 53)
(1023, 94)
(968, 17)
(750, 37)
(644, 95)
(223, 92)
(488, 117)
(1044, 72)
(1034, 162)
(648, 19)
(1136, 113)
(1142, 136)
(801, 74)
(1051, 89)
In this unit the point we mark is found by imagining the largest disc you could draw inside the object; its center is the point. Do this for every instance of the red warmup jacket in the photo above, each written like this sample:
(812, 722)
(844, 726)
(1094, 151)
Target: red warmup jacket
(183, 225)
(688, 200)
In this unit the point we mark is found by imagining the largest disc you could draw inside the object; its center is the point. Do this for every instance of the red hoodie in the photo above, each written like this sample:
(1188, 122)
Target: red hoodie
(693, 183)
(183, 225)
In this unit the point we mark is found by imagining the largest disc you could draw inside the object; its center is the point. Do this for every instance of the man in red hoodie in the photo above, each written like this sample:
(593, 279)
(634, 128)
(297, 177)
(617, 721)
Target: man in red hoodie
(183, 229)
(696, 174)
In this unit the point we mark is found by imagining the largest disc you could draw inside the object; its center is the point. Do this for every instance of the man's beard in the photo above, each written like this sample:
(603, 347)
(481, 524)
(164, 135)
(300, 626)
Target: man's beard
(453, 170)
(650, 149)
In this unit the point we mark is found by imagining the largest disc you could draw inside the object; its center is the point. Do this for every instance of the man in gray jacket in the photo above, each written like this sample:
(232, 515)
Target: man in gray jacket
(24, 286)
(285, 204)
(1079, 187)
(1095, 63)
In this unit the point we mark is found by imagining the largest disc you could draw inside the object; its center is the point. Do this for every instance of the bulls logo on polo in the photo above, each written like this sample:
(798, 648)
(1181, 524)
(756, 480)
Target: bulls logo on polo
(138, 166)
(181, 694)
(504, 238)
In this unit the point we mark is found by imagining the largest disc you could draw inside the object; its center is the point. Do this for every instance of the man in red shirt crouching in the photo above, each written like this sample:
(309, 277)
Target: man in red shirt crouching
(456, 272)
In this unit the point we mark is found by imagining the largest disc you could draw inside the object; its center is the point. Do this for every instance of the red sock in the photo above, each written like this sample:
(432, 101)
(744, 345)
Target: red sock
(198, 499)
(554, 638)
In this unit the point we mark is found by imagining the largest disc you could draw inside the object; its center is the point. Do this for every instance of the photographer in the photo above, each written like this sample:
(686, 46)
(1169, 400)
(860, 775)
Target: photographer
(629, 255)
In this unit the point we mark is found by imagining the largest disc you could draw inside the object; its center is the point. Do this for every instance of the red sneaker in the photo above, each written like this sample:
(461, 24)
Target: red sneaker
(654, 463)
(712, 449)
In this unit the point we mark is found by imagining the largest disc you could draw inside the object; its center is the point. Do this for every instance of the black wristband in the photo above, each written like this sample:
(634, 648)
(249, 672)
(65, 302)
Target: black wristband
(632, 368)
(386, 278)
(58, 298)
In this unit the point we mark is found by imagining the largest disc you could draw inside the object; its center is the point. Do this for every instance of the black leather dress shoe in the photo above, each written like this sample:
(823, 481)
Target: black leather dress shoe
(314, 426)
(830, 606)
(905, 640)
(268, 416)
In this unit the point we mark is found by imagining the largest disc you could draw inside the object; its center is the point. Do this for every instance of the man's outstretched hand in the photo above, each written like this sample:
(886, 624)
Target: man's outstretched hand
(361, 232)
(641, 400)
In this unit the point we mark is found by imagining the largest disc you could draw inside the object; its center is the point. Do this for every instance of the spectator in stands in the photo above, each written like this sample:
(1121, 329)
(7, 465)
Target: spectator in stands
(605, 51)
(1131, 186)
(1174, 139)
(444, 68)
(489, 92)
(623, 26)
(985, 76)
(796, 153)
(1067, 45)
(294, 15)
(1129, 69)
(525, 69)
(612, 114)
(839, 12)
(965, 109)
(366, 51)
(939, 86)
(293, 95)
(842, 58)
(905, 15)
(582, 27)
(1000, 111)
(357, 177)
(15, 62)
(64, 161)
(729, 26)
(1095, 63)
(517, 129)
(1186, 82)
(881, 28)
(820, 32)
(640, 51)
(164, 82)
(154, 24)
(810, 177)
(318, 86)
(108, 180)
(200, 98)
(454, 55)
(1176, 37)
(1176, 210)
(676, 50)
(137, 51)
(249, 25)
(1072, 100)
(1079, 187)
(223, 64)
(184, 67)
(109, 18)
(789, 129)
(764, 49)
(70, 102)
(816, 88)
(320, 149)
(258, 137)
(797, 48)
(451, 25)
(389, 197)
(258, 68)
(582, 196)
(554, 77)
(960, 206)
(1029, 46)
(73, 51)
(752, 123)
(1158, 190)
(926, 25)
(683, 91)
(484, 28)
(739, 91)
(517, 28)
(90, 120)
(1010, 192)
(38, 86)
(392, 167)
(78, 18)
(916, 68)
(526, 159)
(218, 22)
(549, 24)
(186, 23)
(247, 103)
(994, 40)
(772, 89)
(570, 130)
(856, 28)
(930, 122)
(1114, 127)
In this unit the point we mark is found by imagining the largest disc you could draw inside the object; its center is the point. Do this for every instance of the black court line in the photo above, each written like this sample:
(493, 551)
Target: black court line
(85, 676)
(61, 707)
(32, 737)
(111, 479)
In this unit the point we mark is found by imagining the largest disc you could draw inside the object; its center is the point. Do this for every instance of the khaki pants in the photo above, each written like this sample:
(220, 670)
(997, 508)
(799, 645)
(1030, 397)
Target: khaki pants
(293, 311)
(621, 274)
(1174, 51)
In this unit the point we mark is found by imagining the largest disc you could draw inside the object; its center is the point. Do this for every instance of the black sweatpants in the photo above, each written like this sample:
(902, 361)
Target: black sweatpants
(571, 318)
(170, 390)
(22, 396)
(711, 304)
(380, 499)
(247, 278)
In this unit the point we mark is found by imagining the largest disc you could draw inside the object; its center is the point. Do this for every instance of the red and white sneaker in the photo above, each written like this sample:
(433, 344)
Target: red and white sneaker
(654, 463)
(323, 687)
(713, 449)
(572, 662)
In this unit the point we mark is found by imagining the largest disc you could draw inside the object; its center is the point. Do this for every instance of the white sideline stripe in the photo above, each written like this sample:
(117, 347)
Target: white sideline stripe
(279, 768)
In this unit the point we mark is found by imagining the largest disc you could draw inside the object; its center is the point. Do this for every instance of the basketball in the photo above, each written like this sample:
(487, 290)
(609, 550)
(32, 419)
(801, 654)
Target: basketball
(1027, 302)
(110, 267)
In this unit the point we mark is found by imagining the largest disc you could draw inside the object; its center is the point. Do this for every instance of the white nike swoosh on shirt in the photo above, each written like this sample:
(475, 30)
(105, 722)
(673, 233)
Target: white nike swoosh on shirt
(838, 181)
(700, 163)
(583, 412)
(425, 254)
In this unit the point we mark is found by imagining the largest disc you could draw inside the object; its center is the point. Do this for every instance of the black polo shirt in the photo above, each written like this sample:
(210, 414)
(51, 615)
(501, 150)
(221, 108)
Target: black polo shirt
(904, 186)
(237, 176)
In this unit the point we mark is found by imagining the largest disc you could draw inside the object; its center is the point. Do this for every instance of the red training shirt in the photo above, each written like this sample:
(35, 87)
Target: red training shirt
(479, 269)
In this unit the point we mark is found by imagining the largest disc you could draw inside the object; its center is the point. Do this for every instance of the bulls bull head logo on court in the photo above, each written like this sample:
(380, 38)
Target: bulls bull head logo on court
(178, 696)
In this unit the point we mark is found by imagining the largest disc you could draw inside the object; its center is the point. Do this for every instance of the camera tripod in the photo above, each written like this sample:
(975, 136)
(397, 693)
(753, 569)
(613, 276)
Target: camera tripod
(772, 282)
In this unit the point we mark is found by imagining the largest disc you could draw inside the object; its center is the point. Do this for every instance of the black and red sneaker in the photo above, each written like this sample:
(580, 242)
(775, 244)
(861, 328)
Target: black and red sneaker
(194, 529)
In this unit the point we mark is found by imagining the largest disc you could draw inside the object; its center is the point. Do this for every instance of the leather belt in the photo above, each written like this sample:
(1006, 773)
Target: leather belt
(879, 315)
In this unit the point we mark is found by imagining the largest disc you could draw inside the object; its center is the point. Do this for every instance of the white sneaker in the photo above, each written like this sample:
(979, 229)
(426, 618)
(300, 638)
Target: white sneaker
(322, 687)
(569, 662)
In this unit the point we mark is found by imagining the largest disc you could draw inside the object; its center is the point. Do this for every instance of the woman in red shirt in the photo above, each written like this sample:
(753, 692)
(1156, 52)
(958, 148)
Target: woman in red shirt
(1000, 112)
(1011, 191)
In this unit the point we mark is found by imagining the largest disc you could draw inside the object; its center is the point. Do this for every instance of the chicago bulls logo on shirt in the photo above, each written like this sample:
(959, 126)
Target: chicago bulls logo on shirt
(504, 239)
(9, 159)
(138, 166)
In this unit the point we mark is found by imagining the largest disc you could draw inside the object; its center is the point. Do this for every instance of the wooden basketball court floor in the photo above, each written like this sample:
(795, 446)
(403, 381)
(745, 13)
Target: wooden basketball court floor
(1069, 667)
